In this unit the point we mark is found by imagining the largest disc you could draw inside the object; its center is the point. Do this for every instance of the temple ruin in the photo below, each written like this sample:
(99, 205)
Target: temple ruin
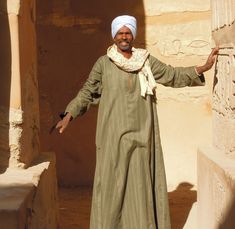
(216, 171)
(47, 50)
(26, 172)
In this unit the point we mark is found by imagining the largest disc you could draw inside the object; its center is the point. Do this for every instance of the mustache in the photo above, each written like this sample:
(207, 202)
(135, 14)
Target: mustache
(125, 41)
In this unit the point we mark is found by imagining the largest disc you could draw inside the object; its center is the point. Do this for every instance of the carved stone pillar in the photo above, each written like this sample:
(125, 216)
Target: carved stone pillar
(216, 163)
(19, 112)
(28, 187)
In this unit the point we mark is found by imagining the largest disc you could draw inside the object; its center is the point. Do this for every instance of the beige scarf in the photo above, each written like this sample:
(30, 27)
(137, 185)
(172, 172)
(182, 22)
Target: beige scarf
(138, 62)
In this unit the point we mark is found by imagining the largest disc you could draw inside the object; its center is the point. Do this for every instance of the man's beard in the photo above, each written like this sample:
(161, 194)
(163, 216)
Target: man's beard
(125, 47)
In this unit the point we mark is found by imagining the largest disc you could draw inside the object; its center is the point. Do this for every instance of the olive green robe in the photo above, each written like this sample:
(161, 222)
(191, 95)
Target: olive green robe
(129, 189)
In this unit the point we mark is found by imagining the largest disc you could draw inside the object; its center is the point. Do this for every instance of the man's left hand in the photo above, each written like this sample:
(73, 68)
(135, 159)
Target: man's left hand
(210, 61)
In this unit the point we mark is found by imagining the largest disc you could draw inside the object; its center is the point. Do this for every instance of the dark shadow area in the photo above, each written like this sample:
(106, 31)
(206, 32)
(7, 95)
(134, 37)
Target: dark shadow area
(181, 201)
(229, 221)
(28, 80)
(215, 81)
(71, 35)
(72, 214)
(5, 85)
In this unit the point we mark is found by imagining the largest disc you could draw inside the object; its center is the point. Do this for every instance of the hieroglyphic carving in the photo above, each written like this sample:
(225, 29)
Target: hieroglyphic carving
(224, 101)
(224, 91)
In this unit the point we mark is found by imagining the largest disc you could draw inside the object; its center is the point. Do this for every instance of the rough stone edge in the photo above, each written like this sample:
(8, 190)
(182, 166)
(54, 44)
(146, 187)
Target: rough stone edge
(222, 168)
(11, 124)
(26, 215)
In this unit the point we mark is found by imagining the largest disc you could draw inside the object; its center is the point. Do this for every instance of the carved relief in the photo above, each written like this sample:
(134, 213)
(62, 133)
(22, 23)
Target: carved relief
(224, 101)
(223, 27)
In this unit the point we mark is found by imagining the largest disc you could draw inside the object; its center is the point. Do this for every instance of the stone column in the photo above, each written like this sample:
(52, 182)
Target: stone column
(216, 163)
(19, 112)
(28, 185)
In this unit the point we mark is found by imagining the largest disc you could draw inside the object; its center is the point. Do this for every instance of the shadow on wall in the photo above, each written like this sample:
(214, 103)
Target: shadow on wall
(229, 219)
(181, 201)
(71, 35)
(5, 85)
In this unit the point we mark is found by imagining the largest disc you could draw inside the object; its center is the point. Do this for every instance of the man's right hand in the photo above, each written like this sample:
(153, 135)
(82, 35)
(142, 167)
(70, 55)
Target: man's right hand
(62, 124)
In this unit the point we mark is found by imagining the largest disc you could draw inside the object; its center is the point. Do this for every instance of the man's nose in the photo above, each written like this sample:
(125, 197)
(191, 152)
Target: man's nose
(124, 36)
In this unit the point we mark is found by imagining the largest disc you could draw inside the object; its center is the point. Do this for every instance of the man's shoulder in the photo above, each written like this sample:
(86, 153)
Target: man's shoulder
(153, 59)
(102, 58)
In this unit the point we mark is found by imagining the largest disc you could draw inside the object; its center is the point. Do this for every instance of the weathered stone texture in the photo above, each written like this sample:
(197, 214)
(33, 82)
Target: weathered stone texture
(23, 140)
(179, 40)
(223, 13)
(224, 102)
(28, 193)
(223, 25)
(216, 182)
(28, 197)
(157, 7)
(224, 86)
(86, 24)
(225, 37)
(216, 173)
(179, 33)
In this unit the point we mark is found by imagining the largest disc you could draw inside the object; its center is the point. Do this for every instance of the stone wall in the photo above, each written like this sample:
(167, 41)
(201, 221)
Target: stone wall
(224, 102)
(28, 197)
(18, 104)
(216, 173)
(178, 33)
(28, 185)
(223, 27)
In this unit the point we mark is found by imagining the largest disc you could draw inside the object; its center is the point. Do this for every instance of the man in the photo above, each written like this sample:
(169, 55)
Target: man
(129, 187)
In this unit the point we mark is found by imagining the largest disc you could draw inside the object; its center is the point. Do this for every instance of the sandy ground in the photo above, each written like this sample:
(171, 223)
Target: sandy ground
(75, 206)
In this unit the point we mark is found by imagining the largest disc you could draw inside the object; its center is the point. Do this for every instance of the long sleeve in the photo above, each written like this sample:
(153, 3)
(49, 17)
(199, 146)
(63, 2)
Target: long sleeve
(175, 76)
(89, 93)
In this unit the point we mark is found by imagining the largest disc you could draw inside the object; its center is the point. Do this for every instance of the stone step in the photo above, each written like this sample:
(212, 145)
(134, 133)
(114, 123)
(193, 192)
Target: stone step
(28, 197)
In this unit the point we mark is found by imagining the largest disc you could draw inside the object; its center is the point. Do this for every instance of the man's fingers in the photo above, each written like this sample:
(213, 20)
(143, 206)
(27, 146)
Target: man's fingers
(61, 130)
(62, 127)
(59, 124)
(213, 55)
(214, 51)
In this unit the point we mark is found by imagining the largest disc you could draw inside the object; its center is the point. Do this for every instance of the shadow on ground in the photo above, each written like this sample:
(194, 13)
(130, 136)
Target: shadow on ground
(181, 201)
(75, 204)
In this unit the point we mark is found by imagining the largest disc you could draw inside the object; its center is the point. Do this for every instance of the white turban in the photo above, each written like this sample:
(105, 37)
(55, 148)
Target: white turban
(124, 20)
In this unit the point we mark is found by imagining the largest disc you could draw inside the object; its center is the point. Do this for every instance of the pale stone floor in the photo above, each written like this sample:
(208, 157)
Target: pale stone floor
(75, 207)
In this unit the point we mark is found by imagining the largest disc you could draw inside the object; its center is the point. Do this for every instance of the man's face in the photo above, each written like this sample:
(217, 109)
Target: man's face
(124, 39)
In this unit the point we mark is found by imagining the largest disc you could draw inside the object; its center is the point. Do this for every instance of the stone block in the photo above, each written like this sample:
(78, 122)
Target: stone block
(28, 197)
(179, 40)
(223, 102)
(223, 13)
(19, 109)
(216, 189)
(153, 7)
(225, 36)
